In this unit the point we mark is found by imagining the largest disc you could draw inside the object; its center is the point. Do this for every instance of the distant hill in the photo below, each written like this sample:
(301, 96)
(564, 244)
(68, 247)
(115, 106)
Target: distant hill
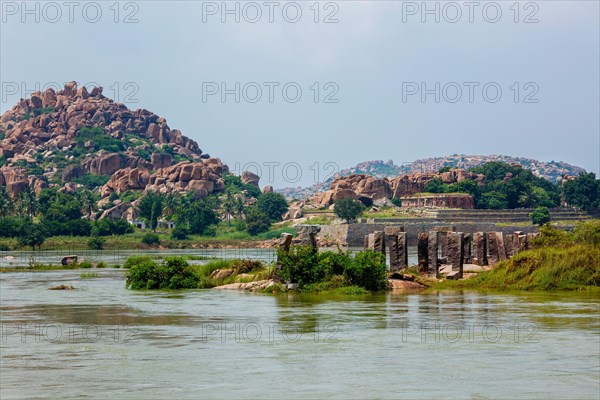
(552, 170)
(74, 138)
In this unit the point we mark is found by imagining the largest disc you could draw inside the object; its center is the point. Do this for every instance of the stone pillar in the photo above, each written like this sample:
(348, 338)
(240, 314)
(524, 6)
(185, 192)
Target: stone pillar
(423, 252)
(391, 241)
(433, 254)
(455, 252)
(379, 242)
(480, 248)
(492, 243)
(521, 242)
(443, 234)
(371, 241)
(285, 241)
(501, 248)
(284, 246)
(403, 250)
(307, 234)
(509, 245)
(466, 245)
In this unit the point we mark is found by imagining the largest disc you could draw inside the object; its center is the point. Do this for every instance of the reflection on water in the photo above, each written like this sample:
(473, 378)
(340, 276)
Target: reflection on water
(102, 340)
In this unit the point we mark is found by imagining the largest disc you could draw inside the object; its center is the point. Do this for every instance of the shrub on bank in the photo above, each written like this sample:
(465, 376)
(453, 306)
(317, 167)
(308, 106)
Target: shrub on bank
(305, 266)
(96, 243)
(172, 273)
(151, 239)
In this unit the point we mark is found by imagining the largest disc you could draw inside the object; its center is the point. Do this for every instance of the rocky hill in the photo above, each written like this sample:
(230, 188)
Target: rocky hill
(76, 137)
(553, 171)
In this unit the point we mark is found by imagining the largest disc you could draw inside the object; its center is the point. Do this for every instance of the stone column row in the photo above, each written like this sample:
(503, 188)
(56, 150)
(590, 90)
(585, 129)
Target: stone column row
(394, 239)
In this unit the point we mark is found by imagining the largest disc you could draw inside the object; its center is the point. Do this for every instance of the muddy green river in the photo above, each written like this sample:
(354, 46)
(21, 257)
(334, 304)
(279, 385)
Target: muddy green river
(103, 341)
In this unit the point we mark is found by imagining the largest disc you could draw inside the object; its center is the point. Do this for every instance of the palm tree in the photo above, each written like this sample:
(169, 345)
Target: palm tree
(31, 202)
(229, 206)
(88, 202)
(171, 204)
(6, 203)
(238, 206)
(21, 205)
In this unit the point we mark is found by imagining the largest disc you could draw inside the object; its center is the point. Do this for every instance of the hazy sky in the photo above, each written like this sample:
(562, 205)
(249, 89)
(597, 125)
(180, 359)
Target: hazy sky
(175, 57)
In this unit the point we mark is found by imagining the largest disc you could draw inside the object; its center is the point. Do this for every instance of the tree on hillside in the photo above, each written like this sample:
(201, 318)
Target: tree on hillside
(348, 209)
(257, 221)
(272, 204)
(583, 192)
(88, 201)
(151, 208)
(6, 204)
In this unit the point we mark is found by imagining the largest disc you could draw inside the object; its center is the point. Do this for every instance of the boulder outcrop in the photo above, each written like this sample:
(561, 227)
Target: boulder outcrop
(78, 132)
(367, 186)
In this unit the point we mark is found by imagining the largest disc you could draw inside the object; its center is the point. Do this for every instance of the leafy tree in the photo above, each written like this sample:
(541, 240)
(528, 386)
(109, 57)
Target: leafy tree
(198, 216)
(151, 208)
(109, 226)
(31, 234)
(234, 183)
(180, 232)
(434, 186)
(348, 208)
(540, 216)
(583, 192)
(273, 204)
(257, 221)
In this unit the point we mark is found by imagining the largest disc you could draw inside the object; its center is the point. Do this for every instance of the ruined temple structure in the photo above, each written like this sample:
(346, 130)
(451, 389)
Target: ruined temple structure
(444, 200)
(444, 252)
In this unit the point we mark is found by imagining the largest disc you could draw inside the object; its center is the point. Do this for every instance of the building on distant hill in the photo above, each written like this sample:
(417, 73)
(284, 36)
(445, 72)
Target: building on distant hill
(443, 200)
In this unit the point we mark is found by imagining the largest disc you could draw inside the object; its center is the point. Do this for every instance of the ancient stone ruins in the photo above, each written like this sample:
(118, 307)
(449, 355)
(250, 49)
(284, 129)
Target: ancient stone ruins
(443, 246)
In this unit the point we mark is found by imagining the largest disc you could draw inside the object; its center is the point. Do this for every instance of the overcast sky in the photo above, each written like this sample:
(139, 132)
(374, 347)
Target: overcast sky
(361, 78)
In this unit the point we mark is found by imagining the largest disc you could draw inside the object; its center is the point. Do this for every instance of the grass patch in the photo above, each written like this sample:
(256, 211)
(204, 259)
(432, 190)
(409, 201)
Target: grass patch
(546, 268)
(88, 275)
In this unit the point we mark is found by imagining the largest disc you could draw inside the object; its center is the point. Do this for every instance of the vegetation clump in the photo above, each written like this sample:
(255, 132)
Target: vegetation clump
(305, 266)
(172, 273)
(558, 260)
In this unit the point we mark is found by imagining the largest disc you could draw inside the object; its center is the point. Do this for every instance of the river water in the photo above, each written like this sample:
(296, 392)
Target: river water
(103, 341)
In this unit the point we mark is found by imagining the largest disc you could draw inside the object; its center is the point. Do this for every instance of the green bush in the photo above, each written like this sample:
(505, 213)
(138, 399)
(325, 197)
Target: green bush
(135, 260)
(301, 265)
(85, 264)
(305, 266)
(151, 239)
(587, 232)
(540, 216)
(396, 201)
(96, 243)
(257, 222)
(180, 232)
(101, 264)
(368, 270)
(173, 273)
